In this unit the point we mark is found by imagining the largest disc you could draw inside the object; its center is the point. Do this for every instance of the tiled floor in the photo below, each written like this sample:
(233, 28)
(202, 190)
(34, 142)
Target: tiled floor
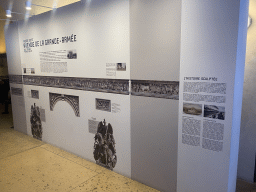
(27, 164)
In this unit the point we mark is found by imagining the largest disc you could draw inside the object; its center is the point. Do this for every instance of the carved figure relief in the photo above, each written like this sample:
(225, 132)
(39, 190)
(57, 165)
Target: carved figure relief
(35, 120)
(104, 146)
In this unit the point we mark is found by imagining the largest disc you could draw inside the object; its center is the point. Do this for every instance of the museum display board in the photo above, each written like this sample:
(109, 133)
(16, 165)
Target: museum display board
(211, 85)
(117, 83)
(75, 69)
(155, 58)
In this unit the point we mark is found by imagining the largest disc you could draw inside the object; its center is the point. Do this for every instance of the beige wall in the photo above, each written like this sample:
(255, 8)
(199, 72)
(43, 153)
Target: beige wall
(2, 40)
(3, 61)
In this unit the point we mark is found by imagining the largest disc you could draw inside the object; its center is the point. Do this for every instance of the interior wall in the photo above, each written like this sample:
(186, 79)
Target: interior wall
(247, 149)
(16, 86)
(213, 36)
(155, 58)
(145, 123)
(70, 78)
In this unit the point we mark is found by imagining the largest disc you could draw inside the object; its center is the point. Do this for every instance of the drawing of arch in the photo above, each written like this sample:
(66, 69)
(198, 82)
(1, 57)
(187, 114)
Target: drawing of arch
(72, 100)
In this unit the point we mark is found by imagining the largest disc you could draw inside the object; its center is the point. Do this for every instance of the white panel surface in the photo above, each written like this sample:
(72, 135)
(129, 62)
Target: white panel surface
(209, 61)
(101, 31)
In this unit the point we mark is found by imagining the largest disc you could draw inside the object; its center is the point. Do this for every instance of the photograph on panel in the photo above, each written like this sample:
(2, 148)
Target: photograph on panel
(72, 100)
(71, 54)
(158, 89)
(215, 112)
(36, 124)
(192, 109)
(104, 146)
(103, 104)
(121, 66)
(35, 94)
(33, 71)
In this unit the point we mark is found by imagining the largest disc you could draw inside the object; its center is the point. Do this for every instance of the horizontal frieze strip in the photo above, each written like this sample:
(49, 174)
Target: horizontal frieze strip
(146, 88)
(157, 89)
(118, 86)
(17, 79)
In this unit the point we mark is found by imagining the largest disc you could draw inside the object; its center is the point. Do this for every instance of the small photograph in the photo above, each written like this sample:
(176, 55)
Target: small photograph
(32, 70)
(35, 94)
(103, 104)
(16, 91)
(121, 66)
(215, 112)
(192, 109)
(24, 70)
(71, 54)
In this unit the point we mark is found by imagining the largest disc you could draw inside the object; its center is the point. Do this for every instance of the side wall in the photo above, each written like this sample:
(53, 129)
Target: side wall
(247, 150)
(155, 55)
(15, 78)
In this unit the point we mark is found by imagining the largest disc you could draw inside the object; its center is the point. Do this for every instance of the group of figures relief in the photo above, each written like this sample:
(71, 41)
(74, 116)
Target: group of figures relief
(36, 124)
(104, 143)
(104, 146)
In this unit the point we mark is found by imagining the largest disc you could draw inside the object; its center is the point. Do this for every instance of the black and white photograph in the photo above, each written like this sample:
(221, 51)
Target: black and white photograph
(104, 146)
(158, 89)
(36, 124)
(16, 91)
(103, 104)
(33, 71)
(214, 112)
(35, 94)
(71, 54)
(121, 66)
(192, 109)
(119, 86)
(72, 100)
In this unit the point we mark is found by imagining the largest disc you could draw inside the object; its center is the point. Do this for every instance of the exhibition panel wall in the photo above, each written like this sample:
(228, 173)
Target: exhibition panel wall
(116, 82)
(213, 43)
(75, 68)
(15, 78)
(155, 58)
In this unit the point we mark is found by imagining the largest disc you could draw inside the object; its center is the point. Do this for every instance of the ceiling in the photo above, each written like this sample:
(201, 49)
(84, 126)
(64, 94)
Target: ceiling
(19, 7)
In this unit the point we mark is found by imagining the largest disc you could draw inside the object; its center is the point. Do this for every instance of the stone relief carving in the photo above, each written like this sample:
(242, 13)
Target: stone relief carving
(159, 89)
(72, 100)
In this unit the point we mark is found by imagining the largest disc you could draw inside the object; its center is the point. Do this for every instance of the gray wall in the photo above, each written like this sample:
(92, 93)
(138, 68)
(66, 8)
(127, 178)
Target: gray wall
(155, 39)
(246, 158)
(154, 142)
(14, 68)
(155, 55)
(247, 148)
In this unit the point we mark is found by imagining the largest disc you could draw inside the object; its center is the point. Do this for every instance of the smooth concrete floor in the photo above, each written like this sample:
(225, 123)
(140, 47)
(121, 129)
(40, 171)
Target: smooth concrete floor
(27, 164)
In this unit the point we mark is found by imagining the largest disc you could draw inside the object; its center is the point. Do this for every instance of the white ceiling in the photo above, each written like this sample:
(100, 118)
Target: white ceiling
(19, 7)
